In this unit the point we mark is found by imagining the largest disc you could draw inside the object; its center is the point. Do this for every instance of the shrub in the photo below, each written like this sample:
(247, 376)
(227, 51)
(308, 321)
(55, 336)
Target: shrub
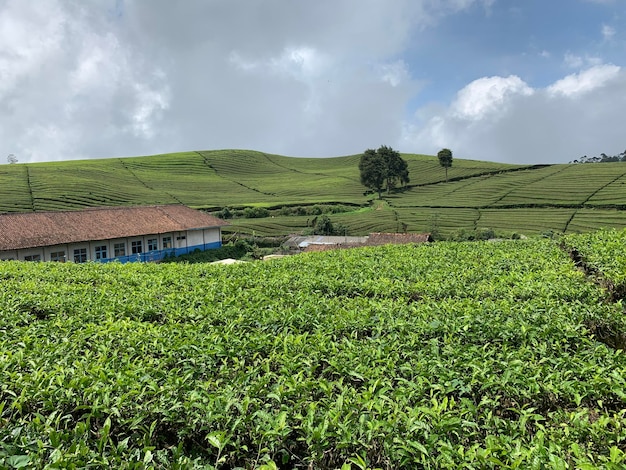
(255, 212)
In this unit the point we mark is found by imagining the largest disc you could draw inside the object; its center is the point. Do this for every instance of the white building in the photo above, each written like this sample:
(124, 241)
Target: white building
(136, 233)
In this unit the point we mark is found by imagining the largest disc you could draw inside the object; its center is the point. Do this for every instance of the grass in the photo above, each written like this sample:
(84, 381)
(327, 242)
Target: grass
(517, 198)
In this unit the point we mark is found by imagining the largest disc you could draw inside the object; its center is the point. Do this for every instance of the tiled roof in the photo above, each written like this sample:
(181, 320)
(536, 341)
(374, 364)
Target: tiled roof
(397, 238)
(35, 229)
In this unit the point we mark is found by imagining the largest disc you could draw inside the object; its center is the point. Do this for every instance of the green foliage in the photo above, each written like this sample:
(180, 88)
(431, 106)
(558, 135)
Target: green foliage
(445, 159)
(373, 170)
(602, 158)
(472, 235)
(603, 251)
(255, 212)
(449, 355)
(322, 225)
(383, 167)
(397, 169)
(225, 213)
(316, 209)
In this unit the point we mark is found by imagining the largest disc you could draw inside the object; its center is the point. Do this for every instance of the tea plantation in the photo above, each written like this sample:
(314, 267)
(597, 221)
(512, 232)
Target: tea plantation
(448, 355)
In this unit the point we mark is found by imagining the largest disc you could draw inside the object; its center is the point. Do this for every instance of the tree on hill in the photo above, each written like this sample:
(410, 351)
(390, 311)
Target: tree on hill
(445, 159)
(11, 158)
(397, 167)
(383, 167)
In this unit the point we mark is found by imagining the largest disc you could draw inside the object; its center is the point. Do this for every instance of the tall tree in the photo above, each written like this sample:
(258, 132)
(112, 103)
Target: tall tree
(445, 159)
(397, 168)
(373, 171)
(383, 167)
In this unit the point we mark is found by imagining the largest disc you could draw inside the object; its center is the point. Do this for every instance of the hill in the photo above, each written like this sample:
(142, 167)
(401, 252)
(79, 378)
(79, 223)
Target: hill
(527, 199)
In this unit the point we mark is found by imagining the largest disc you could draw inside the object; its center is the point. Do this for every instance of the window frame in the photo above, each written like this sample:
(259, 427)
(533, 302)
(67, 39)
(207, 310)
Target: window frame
(119, 249)
(167, 243)
(101, 252)
(153, 244)
(136, 247)
(79, 255)
(58, 256)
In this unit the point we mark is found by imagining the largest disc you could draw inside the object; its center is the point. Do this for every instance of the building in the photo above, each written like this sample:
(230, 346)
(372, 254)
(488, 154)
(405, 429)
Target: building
(136, 233)
(325, 243)
(377, 239)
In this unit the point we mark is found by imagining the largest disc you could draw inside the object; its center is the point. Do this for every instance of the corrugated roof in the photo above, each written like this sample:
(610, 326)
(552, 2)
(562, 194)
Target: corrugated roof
(374, 239)
(397, 238)
(35, 229)
(326, 247)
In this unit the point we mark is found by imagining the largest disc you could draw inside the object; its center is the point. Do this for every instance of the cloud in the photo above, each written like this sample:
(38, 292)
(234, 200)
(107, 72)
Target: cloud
(94, 78)
(504, 119)
(69, 87)
(574, 61)
(585, 81)
(487, 96)
(608, 32)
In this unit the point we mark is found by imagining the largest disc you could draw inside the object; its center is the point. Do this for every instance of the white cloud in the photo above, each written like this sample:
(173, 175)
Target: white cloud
(88, 78)
(577, 115)
(70, 88)
(576, 62)
(608, 32)
(573, 61)
(394, 73)
(488, 95)
(585, 81)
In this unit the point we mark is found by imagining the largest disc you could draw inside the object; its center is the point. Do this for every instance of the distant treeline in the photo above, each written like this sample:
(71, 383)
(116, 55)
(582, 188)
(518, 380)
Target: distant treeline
(261, 212)
(602, 158)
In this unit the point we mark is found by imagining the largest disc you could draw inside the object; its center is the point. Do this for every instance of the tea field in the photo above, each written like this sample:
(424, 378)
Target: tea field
(448, 355)
(564, 198)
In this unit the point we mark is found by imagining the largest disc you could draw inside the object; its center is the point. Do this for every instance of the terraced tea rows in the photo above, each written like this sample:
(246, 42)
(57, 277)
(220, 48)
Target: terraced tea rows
(479, 195)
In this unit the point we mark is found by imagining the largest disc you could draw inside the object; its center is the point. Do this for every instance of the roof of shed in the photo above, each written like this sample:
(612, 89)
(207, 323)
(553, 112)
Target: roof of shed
(35, 229)
(397, 238)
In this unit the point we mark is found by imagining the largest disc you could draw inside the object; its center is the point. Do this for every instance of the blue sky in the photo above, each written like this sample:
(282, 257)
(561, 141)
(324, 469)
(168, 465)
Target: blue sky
(528, 38)
(521, 81)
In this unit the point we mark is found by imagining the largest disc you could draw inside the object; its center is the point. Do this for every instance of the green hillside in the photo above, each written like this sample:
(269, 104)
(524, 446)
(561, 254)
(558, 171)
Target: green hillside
(510, 198)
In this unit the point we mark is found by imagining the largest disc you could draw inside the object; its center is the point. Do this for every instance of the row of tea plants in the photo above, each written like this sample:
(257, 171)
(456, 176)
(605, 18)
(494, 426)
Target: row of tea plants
(449, 355)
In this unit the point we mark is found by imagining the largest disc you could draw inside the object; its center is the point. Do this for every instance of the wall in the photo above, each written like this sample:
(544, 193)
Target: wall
(182, 243)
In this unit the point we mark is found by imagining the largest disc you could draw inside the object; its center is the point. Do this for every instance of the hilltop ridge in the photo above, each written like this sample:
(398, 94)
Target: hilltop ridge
(479, 194)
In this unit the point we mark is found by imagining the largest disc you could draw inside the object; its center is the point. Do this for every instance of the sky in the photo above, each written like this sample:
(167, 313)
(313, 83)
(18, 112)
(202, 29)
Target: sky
(517, 81)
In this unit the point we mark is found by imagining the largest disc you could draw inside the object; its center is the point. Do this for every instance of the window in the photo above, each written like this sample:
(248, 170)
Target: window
(32, 258)
(135, 247)
(119, 249)
(101, 252)
(58, 256)
(153, 244)
(167, 242)
(80, 255)
(182, 237)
